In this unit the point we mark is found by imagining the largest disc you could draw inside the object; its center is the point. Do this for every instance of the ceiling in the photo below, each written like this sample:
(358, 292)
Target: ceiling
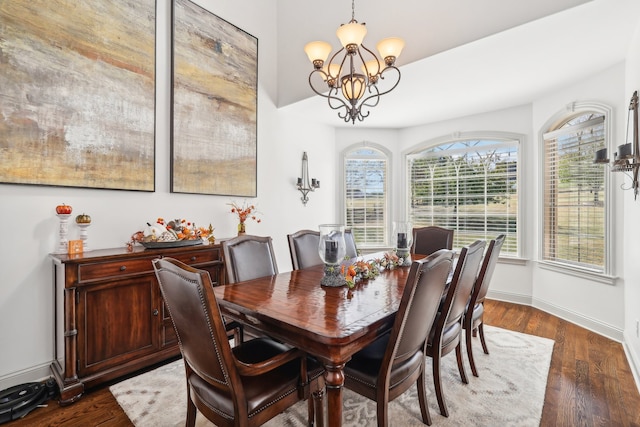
(461, 57)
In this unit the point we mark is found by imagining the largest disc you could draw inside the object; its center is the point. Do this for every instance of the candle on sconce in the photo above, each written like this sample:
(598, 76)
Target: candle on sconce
(299, 182)
(331, 252)
(625, 151)
(402, 240)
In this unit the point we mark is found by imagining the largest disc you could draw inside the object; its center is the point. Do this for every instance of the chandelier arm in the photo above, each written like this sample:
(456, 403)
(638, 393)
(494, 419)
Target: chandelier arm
(394, 68)
(373, 55)
(378, 94)
(331, 62)
(374, 96)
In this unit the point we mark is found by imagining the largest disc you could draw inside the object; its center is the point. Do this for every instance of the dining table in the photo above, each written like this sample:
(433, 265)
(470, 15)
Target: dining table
(328, 323)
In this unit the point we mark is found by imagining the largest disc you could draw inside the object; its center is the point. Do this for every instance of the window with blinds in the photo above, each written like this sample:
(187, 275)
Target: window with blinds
(574, 194)
(366, 196)
(470, 186)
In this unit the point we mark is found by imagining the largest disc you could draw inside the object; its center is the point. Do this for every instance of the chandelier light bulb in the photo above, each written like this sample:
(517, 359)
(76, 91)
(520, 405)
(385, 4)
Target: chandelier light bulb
(317, 52)
(371, 68)
(353, 87)
(351, 34)
(332, 72)
(390, 48)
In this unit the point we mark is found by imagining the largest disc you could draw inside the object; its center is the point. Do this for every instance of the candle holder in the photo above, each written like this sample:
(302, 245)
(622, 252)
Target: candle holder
(63, 245)
(84, 235)
(403, 236)
(304, 185)
(332, 248)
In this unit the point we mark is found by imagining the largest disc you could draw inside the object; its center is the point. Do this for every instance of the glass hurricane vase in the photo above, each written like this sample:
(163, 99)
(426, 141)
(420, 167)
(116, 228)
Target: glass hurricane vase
(332, 248)
(403, 237)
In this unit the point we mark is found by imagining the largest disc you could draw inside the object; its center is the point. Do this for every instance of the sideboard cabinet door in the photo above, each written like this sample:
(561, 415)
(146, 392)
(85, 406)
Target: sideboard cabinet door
(118, 322)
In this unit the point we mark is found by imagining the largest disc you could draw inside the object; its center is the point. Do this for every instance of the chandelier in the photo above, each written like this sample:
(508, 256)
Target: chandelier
(353, 73)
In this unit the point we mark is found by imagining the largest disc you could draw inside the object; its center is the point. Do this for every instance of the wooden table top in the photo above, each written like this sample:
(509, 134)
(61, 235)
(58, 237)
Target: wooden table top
(294, 307)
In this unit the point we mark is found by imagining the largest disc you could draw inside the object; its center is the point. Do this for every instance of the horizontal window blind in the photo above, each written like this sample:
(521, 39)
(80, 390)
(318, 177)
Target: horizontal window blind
(574, 194)
(470, 186)
(366, 197)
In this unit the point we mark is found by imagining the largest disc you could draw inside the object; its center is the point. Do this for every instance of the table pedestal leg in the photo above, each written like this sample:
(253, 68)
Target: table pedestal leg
(334, 380)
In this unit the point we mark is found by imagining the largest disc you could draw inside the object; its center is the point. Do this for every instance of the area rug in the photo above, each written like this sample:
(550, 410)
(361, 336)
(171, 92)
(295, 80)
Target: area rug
(509, 391)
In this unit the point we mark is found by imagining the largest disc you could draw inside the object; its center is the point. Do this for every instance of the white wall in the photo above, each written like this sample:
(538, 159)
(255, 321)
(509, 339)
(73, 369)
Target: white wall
(631, 235)
(594, 305)
(31, 227)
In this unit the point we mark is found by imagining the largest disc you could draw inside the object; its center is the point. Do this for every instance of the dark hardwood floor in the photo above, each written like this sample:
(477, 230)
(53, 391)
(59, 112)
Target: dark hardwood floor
(590, 382)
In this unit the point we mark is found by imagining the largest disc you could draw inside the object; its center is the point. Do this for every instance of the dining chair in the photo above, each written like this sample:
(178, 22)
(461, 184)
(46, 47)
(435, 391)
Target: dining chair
(390, 365)
(427, 240)
(303, 246)
(446, 333)
(473, 318)
(350, 244)
(242, 386)
(248, 257)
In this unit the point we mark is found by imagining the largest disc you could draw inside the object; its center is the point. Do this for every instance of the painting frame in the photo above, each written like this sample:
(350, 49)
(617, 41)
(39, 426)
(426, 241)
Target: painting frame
(214, 104)
(78, 105)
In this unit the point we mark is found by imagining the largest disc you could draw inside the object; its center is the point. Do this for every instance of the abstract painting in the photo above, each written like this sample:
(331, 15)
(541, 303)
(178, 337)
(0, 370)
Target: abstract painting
(214, 105)
(77, 93)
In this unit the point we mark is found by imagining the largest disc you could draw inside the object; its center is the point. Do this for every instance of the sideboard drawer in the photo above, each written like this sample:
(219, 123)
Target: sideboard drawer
(113, 269)
(198, 257)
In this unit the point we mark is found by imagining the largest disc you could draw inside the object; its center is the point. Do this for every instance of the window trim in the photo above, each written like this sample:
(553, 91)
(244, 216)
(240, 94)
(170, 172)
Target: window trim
(571, 110)
(464, 136)
(342, 189)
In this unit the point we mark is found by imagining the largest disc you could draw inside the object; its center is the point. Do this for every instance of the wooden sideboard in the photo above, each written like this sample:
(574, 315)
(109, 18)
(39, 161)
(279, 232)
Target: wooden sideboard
(110, 319)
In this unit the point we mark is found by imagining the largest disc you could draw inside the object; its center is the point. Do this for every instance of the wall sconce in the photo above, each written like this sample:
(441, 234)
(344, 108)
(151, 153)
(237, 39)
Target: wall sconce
(303, 185)
(627, 159)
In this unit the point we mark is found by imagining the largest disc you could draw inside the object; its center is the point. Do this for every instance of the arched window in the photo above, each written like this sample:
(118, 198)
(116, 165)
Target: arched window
(366, 183)
(575, 196)
(468, 184)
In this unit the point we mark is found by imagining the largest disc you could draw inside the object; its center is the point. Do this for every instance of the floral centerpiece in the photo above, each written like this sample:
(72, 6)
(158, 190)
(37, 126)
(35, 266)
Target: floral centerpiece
(391, 260)
(168, 233)
(360, 270)
(244, 213)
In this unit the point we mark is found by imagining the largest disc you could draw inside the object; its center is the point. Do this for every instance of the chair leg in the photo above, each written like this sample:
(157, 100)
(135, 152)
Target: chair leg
(437, 381)
(463, 373)
(484, 344)
(472, 362)
(191, 413)
(382, 414)
(422, 399)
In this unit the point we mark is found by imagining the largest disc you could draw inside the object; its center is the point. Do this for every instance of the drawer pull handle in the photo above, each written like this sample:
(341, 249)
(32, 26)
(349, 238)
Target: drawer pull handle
(123, 267)
(155, 311)
(193, 258)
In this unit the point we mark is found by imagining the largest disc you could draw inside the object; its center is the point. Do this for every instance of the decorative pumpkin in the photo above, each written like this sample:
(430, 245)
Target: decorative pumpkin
(83, 219)
(63, 209)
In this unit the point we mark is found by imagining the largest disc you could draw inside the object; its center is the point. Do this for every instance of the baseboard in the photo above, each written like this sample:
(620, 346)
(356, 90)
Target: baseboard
(33, 374)
(596, 326)
(510, 297)
(634, 362)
